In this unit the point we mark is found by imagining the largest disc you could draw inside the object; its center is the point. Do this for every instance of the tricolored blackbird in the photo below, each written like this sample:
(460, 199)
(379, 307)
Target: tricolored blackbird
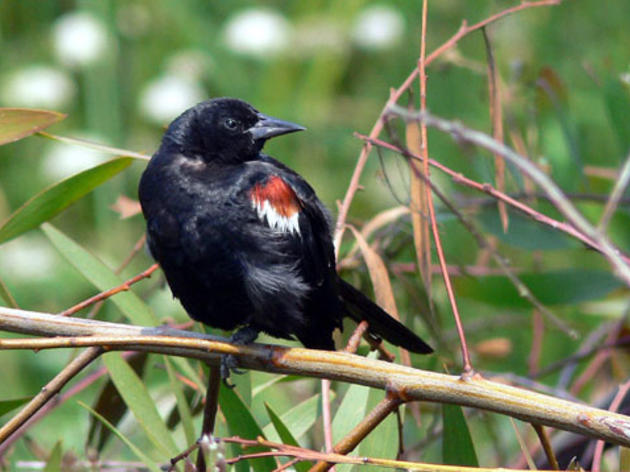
(243, 240)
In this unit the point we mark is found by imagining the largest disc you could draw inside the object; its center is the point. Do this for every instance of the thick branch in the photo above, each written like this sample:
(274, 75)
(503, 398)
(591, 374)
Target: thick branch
(411, 384)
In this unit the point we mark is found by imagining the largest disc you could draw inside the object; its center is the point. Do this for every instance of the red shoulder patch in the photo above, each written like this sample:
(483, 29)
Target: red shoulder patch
(279, 194)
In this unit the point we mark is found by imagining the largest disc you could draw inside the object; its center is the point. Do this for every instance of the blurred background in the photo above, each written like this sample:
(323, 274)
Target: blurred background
(122, 70)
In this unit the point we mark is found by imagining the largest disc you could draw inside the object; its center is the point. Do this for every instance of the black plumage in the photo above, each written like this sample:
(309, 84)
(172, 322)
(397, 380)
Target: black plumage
(243, 240)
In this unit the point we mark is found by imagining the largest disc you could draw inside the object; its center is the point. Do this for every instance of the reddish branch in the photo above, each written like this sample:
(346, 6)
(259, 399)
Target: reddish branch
(490, 190)
(111, 292)
(397, 93)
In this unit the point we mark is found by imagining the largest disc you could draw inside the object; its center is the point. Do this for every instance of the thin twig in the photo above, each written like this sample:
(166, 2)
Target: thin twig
(50, 390)
(555, 194)
(496, 116)
(111, 292)
(543, 437)
(381, 411)
(49, 406)
(522, 289)
(615, 196)
(209, 410)
(614, 405)
(464, 30)
(490, 190)
(310, 455)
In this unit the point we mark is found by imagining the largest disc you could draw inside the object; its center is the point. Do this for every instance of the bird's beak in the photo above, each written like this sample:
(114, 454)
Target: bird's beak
(267, 127)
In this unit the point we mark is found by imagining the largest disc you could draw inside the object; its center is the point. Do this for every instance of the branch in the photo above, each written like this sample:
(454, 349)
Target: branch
(411, 384)
(555, 194)
(490, 190)
(396, 94)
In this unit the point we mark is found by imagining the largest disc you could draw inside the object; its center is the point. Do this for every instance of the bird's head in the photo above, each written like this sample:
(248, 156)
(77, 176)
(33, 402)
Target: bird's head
(225, 130)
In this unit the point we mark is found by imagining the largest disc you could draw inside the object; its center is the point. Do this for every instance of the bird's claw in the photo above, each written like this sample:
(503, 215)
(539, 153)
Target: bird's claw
(229, 365)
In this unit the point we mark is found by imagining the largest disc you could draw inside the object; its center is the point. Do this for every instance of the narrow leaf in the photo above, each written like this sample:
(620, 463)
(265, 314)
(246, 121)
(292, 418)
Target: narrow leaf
(97, 146)
(56, 198)
(378, 274)
(382, 442)
(240, 422)
(285, 436)
(53, 464)
(457, 444)
(136, 396)
(419, 207)
(18, 123)
(300, 418)
(101, 276)
(9, 405)
(146, 460)
(182, 404)
(352, 409)
(617, 96)
(111, 406)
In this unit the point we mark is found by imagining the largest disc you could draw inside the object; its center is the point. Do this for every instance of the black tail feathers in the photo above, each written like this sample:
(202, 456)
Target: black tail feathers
(359, 307)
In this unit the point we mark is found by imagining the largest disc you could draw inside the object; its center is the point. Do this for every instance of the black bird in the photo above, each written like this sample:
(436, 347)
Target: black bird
(243, 240)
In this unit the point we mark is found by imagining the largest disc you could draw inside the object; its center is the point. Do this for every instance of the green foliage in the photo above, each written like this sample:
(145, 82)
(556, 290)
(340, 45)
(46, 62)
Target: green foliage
(457, 443)
(567, 113)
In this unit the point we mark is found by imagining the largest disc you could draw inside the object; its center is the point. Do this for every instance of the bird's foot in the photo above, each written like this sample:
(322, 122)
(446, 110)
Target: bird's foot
(229, 362)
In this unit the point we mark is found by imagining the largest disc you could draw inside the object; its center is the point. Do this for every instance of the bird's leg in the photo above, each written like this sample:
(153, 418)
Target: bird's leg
(229, 363)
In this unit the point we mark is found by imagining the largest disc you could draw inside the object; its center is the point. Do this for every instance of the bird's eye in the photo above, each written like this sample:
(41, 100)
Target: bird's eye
(231, 124)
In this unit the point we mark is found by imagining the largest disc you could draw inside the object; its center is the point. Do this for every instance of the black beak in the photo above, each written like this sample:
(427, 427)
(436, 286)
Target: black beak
(267, 127)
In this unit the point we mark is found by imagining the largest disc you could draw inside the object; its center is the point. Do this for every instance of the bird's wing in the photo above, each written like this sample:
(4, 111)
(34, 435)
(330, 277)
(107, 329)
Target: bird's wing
(286, 203)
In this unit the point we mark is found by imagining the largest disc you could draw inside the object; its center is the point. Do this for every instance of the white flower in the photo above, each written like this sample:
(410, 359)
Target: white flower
(192, 64)
(62, 160)
(28, 258)
(79, 39)
(378, 27)
(38, 86)
(257, 32)
(318, 35)
(168, 96)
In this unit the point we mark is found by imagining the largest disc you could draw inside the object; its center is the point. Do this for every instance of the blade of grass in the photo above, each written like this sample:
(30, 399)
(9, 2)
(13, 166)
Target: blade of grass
(101, 276)
(136, 396)
(285, 436)
(182, 404)
(146, 460)
(59, 196)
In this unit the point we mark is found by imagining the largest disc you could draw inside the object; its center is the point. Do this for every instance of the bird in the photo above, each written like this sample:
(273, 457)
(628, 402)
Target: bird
(243, 240)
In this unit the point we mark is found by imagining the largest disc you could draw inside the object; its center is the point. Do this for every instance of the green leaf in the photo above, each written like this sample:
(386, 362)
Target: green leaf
(101, 276)
(300, 418)
(457, 445)
(146, 460)
(285, 436)
(552, 288)
(350, 412)
(112, 406)
(182, 404)
(53, 464)
(524, 232)
(617, 97)
(136, 396)
(383, 440)
(9, 405)
(18, 123)
(240, 422)
(56, 198)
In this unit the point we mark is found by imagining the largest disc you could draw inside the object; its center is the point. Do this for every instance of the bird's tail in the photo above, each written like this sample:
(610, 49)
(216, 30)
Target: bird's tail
(359, 307)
